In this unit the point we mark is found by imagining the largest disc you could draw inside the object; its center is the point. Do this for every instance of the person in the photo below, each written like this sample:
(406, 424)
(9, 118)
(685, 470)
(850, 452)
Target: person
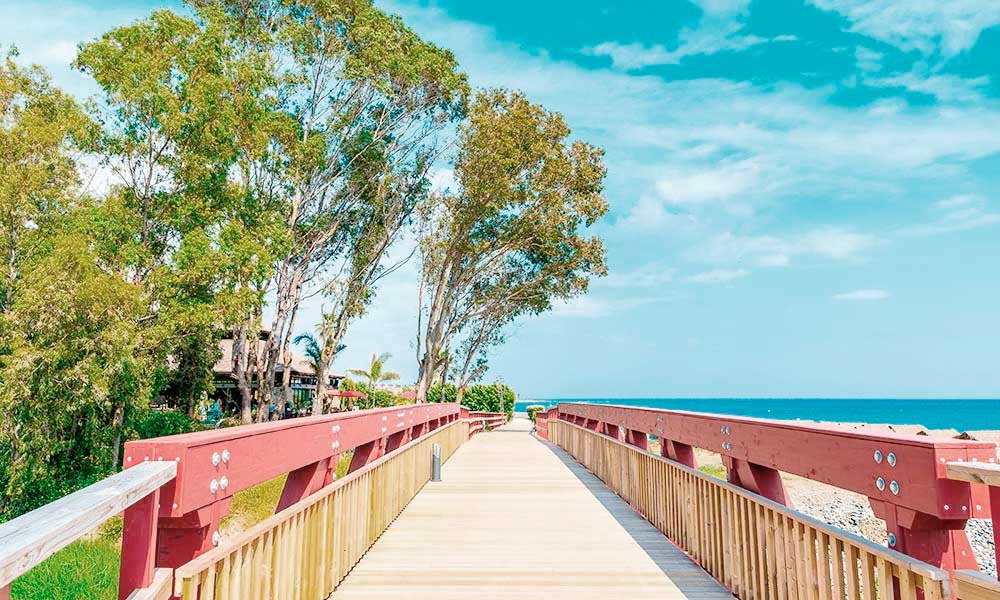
(288, 411)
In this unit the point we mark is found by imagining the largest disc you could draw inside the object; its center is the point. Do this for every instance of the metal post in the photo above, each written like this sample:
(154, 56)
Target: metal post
(436, 462)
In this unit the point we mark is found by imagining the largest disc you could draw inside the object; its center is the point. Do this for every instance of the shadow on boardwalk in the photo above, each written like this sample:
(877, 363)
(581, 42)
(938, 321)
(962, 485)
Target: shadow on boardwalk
(689, 578)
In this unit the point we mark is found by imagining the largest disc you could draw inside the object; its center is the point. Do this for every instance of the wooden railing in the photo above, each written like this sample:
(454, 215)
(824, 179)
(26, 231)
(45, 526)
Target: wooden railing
(483, 421)
(307, 549)
(31, 538)
(972, 585)
(757, 548)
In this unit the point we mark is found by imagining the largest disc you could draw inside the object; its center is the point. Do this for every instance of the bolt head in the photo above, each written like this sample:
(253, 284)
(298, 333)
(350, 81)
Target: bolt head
(216, 459)
(214, 486)
(880, 484)
(224, 482)
(216, 538)
(225, 456)
(892, 540)
(946, 507)
(891, 459)
(878, 456)
(894, 487)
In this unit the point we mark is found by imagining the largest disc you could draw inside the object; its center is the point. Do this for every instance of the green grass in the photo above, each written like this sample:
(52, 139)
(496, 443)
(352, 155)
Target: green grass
(84, 569)
(717, 471)
(89, 568)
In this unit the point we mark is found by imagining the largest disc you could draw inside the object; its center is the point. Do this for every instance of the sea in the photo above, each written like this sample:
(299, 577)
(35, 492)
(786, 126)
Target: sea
(960, 414)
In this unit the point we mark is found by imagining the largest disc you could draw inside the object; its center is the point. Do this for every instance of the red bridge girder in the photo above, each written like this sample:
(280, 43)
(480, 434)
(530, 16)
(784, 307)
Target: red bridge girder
(904, 476)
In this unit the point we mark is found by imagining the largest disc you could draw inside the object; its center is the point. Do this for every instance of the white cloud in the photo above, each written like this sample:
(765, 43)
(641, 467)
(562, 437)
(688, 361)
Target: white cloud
(718, 276)
(956, 213)
(949, 26)
(698, 186)
(774, 251)
(594, 307)
(652, 275)
(862, 296)
(62, 51)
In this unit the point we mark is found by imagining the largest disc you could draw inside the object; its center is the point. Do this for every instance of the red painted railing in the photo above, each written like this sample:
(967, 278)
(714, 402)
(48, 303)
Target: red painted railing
(904, 477)
(480, 421)
(212, 466)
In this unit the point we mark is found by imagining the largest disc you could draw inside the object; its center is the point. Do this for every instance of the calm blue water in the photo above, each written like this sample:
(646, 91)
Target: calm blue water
(963, 415)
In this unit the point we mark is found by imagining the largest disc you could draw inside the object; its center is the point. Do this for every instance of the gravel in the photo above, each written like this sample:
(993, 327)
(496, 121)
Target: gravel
(851, 512)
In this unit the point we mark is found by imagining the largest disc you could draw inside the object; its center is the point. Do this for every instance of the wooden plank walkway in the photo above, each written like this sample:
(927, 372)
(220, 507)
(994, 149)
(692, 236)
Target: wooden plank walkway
(515, 517)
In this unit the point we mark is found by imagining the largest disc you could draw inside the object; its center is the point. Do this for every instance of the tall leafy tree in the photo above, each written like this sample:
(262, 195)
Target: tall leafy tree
(39, 180)
(360, 104)
(509, 240)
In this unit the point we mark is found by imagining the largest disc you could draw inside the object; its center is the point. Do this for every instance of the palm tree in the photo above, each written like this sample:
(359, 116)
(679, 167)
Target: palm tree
(375, 374)
(319, 359)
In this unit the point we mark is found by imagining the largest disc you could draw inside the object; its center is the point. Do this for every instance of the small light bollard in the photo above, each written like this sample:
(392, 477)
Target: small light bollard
(436, 462)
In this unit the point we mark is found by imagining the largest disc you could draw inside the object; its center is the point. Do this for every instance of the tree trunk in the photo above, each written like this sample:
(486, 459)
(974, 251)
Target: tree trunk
(319, 401)
(459, 394)
(117, 423)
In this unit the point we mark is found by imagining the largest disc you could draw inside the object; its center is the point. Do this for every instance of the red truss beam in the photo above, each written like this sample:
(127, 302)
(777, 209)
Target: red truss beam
(904, 476)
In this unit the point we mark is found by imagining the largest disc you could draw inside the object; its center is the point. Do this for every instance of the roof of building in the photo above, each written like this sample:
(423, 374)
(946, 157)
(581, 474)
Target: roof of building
(300, 364)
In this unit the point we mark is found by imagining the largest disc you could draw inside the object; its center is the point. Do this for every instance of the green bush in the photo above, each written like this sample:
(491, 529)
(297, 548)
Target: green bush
(158, 423)
(533, 410)
(478, 398)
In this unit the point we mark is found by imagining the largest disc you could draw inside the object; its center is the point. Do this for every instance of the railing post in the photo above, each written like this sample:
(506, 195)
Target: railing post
(941, 542)
(138, 545)
(5, 593)
(307, 480)
(995, 518)
(756, 478)
(637, 438)
(678, 452)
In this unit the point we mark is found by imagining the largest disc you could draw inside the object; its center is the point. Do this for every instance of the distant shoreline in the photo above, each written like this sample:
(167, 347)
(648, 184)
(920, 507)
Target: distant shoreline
(943, 413)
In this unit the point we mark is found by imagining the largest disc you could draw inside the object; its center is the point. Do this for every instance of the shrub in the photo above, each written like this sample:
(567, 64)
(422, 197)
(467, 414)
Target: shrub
(158, 423)
(478, 398)
(533, 410)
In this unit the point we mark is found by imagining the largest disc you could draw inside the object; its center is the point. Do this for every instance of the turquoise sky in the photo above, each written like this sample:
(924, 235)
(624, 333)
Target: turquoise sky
(805, 193)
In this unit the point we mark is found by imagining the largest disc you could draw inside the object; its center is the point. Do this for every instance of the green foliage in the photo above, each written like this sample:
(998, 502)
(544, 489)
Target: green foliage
(158, 423)
(533, 410)
(377, 398)
(77, 366)
(480, 398)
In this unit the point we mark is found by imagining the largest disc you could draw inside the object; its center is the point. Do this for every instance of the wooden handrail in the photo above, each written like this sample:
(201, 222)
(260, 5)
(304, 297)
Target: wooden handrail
(31, 538)
(311, 545)
(903, 476)
(757, 547)
(988, 474)
(973, 585)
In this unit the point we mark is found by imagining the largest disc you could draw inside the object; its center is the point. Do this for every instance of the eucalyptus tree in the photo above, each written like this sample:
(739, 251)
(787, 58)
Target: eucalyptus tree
(508, 241)
(278, 148)
(361, 101)
(39, 179)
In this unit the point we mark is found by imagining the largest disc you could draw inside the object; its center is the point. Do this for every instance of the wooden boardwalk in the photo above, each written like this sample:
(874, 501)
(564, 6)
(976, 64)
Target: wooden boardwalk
(515, 517)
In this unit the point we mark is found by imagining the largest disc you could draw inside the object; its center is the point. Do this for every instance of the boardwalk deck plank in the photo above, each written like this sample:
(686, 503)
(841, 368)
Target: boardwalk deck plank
(515, 517)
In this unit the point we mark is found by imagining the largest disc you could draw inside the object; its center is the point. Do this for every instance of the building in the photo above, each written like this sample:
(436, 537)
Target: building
(303, 379)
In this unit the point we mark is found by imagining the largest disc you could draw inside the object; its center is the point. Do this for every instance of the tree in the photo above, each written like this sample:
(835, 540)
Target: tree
(77, 365)
(39, 180)
(507, 242)
(376, 373)
(355, 103)
(320, 352)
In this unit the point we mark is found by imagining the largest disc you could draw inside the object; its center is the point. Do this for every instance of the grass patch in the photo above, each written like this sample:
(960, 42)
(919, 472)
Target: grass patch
(717, 471)
(84, 569)
(89, 568)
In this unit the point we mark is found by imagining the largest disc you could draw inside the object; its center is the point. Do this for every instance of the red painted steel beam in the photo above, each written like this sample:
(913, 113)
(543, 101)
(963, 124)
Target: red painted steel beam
(903, 476)
(252, 454)
(212, 466)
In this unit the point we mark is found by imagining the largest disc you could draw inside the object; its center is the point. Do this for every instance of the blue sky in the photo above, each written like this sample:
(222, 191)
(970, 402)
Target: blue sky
(805, 193)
